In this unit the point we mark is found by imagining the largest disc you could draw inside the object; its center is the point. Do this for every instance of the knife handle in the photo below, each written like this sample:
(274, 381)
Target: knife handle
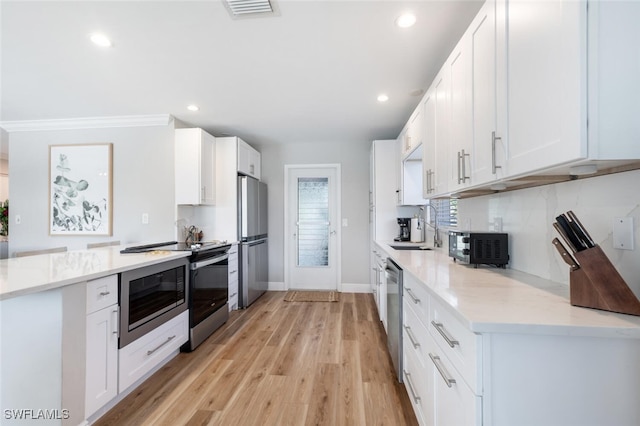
(564, 237)
(568, 259)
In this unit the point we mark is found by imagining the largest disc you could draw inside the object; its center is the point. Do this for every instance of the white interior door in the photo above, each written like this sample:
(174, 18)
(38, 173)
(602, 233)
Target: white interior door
(312, 212)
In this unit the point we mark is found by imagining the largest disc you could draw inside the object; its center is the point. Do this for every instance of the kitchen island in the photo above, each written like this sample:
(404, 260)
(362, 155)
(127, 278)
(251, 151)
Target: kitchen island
(490, 346)
(39, 309)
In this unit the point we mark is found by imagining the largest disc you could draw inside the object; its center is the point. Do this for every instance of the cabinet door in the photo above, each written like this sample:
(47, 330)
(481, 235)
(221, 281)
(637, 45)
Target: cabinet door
(102, 359)
(207, 169)
(461, 153)
(488, 141)
(428, 144)
(546, 63)
(255, 163)
(248, 160)
(443, 122)
(194, 167)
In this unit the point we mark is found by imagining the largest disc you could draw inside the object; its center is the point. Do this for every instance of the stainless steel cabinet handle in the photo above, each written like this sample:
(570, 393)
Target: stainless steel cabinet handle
(415, 396)
(161, 344)
(115, 321)
(464, 167)
(414, 342)
(494, 138)
(436, 361)
(459, 174)
(104, 293)
(412, 296)
(440, 327)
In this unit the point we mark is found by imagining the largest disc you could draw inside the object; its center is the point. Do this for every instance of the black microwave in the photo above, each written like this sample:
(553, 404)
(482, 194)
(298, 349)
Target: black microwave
(475, 248)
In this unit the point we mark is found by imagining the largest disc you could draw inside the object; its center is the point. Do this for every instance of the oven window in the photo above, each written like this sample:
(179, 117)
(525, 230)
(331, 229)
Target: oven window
(209, 290)
(155, 294)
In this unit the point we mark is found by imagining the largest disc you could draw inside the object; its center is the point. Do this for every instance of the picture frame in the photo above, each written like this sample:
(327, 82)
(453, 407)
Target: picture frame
(81, 189)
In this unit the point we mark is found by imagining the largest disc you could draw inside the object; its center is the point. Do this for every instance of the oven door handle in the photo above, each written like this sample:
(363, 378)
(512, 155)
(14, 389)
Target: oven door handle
(202, 264)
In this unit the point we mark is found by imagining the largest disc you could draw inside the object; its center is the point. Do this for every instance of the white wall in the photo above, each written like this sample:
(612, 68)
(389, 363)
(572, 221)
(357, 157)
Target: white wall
(354, 158)
(143, 182)
(528, 214)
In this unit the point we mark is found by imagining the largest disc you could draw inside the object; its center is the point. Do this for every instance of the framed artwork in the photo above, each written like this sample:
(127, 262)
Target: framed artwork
(80, 189)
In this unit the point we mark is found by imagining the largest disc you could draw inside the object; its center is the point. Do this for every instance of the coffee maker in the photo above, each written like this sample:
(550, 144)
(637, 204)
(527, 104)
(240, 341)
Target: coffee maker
(405, 229)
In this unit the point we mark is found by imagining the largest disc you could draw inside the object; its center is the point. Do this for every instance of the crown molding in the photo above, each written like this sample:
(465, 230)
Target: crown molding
(87, 123)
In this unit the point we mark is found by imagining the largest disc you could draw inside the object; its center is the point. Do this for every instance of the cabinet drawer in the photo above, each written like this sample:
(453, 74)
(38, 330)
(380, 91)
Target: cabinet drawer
(416, 295)
(459, 344)
(142, 355)
(419, 385)
(455, 402)
(101, 293)
(415, 334)
(233, 250)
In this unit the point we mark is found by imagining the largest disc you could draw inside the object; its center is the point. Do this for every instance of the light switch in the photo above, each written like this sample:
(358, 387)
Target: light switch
(623, 233)
(145, 218)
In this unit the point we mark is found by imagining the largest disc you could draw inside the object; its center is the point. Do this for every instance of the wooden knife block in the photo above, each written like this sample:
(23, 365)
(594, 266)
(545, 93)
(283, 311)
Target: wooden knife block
(597, 284)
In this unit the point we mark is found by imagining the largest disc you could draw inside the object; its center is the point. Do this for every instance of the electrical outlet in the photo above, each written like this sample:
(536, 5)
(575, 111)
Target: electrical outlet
(623, 233)
(345, 222)
(145, 218)
(497, 224)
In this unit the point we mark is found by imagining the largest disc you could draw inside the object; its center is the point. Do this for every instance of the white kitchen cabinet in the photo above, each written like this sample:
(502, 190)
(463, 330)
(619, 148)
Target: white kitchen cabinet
(248, 160)
(101, 381)
(195, 160)
(414, 134)
(233, 278)
(144, 354)
(441, 93)
(409, 176)
(384, 170)
(488, 105)
(429, 163)
(458, 68)
(546, 60)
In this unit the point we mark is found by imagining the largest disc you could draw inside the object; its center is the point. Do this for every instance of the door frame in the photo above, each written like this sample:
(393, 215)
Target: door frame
(287, 228)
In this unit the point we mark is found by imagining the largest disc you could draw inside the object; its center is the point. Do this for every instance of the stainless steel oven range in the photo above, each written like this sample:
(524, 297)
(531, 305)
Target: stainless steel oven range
(208, 285)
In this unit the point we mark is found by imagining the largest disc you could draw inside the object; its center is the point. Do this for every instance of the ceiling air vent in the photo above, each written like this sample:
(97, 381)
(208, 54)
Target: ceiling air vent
(250, 8)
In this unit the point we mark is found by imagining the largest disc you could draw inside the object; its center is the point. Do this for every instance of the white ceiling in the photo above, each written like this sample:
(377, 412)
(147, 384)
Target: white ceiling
(311, 74)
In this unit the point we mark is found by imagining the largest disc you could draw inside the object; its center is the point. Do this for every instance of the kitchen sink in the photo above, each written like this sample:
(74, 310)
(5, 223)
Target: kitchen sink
(407, 247)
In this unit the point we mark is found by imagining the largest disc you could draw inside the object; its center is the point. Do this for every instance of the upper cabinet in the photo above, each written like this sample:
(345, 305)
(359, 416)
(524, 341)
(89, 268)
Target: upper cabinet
(414, 133)
(248, 160)
(546, 80)
(531, 88)
(195, 160)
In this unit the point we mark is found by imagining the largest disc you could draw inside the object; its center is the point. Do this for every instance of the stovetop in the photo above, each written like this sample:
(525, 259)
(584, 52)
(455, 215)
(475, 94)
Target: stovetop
(176, 246)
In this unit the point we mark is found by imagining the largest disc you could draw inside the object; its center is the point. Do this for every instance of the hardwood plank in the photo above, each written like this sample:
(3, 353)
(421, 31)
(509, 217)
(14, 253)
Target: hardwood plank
(323, 405)
(278, 363)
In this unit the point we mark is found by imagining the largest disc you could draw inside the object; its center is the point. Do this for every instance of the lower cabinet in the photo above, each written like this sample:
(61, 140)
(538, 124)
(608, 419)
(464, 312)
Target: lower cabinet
(101, 380)
(439, 393)
(142, 355)
(233, 278)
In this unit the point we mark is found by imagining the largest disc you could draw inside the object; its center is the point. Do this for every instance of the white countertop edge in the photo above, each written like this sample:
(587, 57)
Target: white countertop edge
(140, 260)
(585, 322)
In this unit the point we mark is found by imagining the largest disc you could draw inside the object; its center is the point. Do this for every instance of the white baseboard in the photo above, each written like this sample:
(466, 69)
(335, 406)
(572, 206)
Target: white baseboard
(356, 288)
(345, 288)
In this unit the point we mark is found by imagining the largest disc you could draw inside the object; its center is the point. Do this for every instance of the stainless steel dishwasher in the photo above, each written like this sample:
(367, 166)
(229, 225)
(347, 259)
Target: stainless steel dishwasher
(393, 274)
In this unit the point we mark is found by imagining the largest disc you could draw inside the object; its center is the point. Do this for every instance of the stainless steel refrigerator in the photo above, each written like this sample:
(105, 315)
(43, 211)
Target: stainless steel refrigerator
(253, 256)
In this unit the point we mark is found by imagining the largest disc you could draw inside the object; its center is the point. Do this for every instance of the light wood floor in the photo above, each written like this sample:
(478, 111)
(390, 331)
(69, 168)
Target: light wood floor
(278, 363)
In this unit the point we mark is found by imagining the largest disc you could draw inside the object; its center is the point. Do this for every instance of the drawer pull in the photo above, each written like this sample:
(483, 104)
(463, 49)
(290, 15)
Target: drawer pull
(412, 296)
(436, 361)
(104, 293)
(233, 295)
(416, 398)
(161, 344)
(414, 342)
(115, 321)
(233, 272)
(450, 340)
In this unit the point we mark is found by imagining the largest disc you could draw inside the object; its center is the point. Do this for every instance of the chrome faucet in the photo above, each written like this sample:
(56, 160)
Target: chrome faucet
(437, 242)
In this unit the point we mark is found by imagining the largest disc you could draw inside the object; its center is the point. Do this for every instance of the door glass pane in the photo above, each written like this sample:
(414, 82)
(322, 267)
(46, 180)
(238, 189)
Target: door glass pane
(313, 221)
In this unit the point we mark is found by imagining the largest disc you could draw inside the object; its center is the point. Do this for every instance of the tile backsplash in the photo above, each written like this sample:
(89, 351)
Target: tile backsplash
(527, 216)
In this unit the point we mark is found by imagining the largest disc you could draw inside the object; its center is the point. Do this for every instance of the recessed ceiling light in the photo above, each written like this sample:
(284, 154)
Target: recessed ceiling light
(406, 20)
(383, 98)
(193, 108)
(100, 40)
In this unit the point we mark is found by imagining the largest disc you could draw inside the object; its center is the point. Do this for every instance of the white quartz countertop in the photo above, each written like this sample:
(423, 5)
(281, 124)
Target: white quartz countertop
(32, 274)
(492, 300)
